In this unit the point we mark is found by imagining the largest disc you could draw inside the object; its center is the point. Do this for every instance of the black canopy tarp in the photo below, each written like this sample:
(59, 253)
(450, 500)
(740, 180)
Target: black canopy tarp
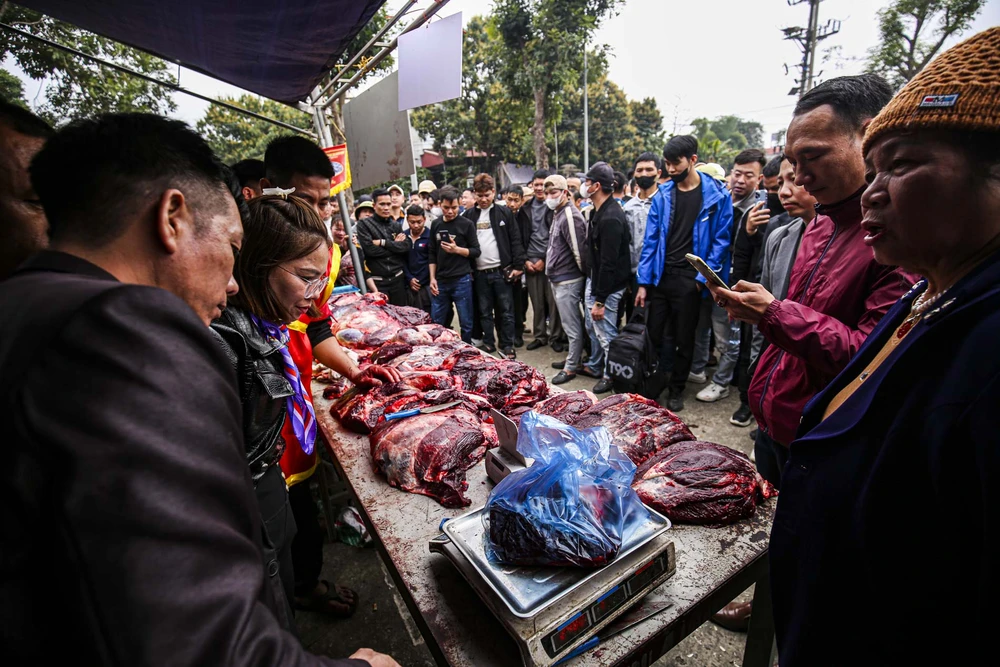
(276, 48)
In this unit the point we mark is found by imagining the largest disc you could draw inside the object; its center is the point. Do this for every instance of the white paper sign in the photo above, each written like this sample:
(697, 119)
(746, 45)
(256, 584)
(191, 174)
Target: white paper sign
(430, 63)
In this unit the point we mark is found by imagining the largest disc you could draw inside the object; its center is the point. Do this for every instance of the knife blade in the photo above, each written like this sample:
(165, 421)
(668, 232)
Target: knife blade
(421, 411)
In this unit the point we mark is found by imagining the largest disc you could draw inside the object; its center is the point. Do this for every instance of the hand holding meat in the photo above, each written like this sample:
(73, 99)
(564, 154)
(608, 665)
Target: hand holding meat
(374, 659)
(374, 375)
(745, 302)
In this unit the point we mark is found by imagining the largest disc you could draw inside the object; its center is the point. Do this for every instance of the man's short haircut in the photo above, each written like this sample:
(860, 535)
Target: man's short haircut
(467, 190)
(542, 174)
(294, 154)
(854, 99)
(620, 181)
(236, 189)
(249, 171)
(773, 166)
(577, 196)
(483, 183)
(379, 192)
(750, 155)
(129, 160)
(517, 190)
(680, 146)
(415, 210)
(447, 193)
(23, 121)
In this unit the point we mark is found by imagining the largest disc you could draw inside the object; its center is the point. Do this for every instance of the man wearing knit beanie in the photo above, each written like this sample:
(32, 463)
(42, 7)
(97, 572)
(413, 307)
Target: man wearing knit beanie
(887, 530)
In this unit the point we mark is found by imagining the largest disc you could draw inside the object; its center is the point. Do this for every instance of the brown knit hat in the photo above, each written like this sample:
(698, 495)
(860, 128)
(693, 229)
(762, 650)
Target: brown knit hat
(958, 90)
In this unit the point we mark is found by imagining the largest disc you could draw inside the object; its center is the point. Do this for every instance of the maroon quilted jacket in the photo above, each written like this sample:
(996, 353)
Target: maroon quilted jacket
(837, 293)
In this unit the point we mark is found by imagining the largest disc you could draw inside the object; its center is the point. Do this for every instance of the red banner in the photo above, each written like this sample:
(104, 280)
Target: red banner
(341, 168)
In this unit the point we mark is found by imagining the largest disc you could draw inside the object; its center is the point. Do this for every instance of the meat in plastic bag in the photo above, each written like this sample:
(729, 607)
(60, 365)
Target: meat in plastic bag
(573, 507)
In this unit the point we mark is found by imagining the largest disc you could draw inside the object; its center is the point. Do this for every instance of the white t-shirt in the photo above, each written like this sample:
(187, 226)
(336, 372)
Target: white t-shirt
(489, 257)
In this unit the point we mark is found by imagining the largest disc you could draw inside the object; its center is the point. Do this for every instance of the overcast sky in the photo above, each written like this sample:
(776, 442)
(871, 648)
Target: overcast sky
(696, 57)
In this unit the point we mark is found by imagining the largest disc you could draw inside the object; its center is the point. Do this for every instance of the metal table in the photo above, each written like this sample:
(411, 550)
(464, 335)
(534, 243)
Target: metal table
(714, 565)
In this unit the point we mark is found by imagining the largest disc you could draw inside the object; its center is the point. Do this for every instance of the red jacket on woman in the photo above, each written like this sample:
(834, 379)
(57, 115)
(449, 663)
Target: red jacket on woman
(837, 293)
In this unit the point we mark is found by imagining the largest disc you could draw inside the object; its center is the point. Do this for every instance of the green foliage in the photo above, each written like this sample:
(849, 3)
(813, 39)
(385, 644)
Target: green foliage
(542, 52)
(77, 87)
(235, 136)
(11, 89)
(719, 140)
(911, 32)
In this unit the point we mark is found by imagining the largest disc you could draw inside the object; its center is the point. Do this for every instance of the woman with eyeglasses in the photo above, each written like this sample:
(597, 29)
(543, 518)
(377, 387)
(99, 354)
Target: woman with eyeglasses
(281, 269)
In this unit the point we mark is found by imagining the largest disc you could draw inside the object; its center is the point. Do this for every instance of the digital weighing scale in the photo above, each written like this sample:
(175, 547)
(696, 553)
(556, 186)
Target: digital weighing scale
(550, 611)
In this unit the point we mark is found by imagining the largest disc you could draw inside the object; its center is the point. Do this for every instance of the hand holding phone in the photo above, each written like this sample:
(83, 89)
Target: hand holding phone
(705, 270)
(445, 237)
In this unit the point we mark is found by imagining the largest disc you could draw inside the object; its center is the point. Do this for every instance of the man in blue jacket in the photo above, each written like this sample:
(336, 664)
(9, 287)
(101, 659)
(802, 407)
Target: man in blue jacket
(689, 214)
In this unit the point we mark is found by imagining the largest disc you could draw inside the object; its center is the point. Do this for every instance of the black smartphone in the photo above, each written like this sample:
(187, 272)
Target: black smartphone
(445, 237)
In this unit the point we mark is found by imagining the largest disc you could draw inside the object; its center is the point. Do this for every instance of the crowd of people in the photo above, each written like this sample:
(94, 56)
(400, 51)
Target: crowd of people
(160, 313)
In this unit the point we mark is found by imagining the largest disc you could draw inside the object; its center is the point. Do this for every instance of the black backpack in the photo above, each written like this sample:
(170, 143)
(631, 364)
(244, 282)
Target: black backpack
(633, 362)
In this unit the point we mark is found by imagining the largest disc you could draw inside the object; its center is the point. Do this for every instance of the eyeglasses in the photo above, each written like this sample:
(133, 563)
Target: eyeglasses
(313, 287)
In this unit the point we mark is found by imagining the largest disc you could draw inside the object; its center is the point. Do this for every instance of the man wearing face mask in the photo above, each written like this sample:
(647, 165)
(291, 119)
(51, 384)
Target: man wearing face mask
(566, 269)
(689, 214)
(539, 290)
(647, 168)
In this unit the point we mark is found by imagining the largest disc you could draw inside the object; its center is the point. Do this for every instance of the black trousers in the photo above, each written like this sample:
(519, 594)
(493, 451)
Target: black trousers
(673, 311)
(493, 294)
(279, 525)
(520, 295)
(771, 458)
(394, 288)
(743, 373)
(307, 547)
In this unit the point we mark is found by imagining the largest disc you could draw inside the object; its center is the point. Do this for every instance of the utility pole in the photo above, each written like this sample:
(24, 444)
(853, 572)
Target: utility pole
(807, 38)
(586, 116)
(555, 134)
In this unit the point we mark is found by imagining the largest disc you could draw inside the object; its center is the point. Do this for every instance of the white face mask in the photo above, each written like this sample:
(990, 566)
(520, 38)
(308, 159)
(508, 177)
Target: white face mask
(436, 212)
(553, 202)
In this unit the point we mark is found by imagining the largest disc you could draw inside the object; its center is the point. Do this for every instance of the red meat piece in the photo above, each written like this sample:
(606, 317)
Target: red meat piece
(407, 316)
(362, 411)
(640, 427)
(566, 407)
(388, 352)
(429, 454)
(702, 483)
(438, 357)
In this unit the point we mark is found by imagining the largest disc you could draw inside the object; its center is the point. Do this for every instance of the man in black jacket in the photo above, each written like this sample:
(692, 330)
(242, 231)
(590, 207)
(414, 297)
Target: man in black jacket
(610, 269)
(515, 196)
(128, 498)
(500, 256)
(386, 249)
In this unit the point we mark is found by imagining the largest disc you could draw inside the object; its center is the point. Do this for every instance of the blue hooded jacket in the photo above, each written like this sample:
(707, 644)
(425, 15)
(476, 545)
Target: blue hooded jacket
(712, 231)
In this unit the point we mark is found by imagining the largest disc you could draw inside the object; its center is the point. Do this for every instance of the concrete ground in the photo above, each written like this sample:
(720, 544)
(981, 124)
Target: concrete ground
(383, 623)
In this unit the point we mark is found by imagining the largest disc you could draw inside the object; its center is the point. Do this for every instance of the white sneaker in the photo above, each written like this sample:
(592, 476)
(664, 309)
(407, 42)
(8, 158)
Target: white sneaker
(698, 378)
(476, 342)
(712, 393)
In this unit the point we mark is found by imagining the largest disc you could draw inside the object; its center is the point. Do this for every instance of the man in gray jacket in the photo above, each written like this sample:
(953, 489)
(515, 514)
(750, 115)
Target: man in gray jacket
(566, 270)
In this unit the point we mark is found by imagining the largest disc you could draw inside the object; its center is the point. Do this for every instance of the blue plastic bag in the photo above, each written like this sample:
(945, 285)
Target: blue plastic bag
(574, 506)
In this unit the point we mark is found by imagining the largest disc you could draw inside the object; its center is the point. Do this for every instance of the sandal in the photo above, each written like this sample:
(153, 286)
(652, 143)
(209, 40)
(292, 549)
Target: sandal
(337, 601)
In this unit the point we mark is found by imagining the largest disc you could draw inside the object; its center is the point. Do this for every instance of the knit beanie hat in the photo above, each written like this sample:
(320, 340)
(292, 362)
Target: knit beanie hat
(958, 90)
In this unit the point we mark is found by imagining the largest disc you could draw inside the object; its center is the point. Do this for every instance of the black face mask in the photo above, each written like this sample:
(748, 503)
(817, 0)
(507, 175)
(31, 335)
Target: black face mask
(774, 204)
(677, 178)
(645, 182)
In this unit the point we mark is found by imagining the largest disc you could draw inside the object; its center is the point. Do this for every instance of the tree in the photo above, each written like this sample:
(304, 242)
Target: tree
(11, 89)
(911, 32)
(543, 42)
(719, 140)
(648, 124)
(77, 87)
(235, 136)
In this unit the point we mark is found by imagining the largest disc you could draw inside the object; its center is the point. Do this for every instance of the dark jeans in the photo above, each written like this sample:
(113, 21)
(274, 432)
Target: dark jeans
(279, 524)
(673, 308)
(771, 458)
(394, 289)
(458, 292)
(307, 547)
(492, 291)
(520, 299)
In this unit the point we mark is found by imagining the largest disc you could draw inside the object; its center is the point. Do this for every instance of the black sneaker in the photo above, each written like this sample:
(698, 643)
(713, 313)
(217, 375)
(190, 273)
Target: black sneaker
(562, 377)
(558, 347)
(518, 342)
(509, 353)
(559, 365)
(603, 387)
(753, 435)
(675, 403)
(535, 344)
(486, 347)
(742, 417)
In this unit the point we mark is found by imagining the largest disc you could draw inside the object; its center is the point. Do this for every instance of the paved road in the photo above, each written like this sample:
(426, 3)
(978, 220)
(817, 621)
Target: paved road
(383, 623)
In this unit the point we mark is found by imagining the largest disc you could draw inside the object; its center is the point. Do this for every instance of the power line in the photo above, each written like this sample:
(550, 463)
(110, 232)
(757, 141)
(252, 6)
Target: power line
(807, 38)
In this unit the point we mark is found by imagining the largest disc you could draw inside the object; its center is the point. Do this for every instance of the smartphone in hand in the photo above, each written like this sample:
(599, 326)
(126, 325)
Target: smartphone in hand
(445, 237)
(705, 270)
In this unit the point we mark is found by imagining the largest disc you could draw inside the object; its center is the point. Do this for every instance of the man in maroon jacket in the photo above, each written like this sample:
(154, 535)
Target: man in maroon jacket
(837, 293)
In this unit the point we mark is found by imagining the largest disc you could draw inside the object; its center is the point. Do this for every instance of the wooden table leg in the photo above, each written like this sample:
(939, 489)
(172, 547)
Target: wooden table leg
(760, 649)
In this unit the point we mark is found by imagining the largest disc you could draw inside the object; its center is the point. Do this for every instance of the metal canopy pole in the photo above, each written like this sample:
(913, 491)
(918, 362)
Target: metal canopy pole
(146, 77)
(380, 56)
(323, 130)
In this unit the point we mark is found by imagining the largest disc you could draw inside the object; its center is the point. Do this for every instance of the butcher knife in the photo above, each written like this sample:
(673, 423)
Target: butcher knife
(631, 618)
(421, 411)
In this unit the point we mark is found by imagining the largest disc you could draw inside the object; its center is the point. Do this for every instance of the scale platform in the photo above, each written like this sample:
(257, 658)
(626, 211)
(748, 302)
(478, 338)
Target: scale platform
(550, 611)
